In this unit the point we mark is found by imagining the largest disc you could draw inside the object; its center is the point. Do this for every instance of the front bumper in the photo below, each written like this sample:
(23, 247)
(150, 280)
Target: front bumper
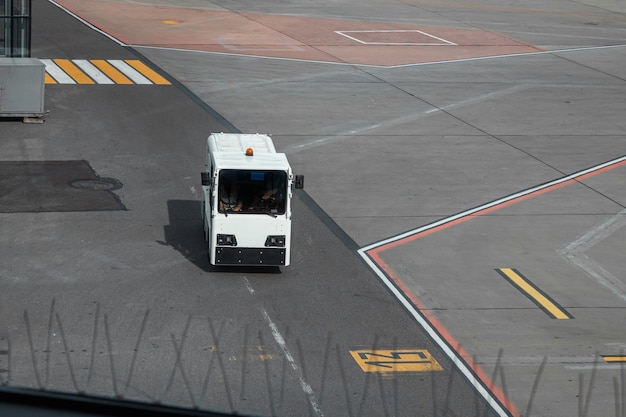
(228, 255)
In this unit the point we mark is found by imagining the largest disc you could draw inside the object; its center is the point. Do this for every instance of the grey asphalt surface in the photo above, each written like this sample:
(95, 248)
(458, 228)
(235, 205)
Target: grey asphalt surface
(387, 150)
(109, 292)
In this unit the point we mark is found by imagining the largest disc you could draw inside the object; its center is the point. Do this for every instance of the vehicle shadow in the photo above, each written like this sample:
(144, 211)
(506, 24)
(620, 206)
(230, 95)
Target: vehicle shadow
(185, 234)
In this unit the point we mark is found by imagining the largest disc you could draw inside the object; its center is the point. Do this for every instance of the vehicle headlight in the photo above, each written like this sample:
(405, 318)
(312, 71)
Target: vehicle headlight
(226, 240)
(275, 240)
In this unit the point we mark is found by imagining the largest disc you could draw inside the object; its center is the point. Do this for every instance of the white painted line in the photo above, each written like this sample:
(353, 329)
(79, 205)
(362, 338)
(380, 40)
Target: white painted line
(477, 99)
(308, 391)
(248, 285)
(422, 321)
(87, 23)
(348, 64)
(575, 253)
(492, 204)
(438, 38)
(399, 120)
(280, 340)
(523, 54)
(349, 37)
(129, 71)
(439, 341)
(57, 73)
(444, 41)
(90, 69)
(275, 48)
(308, 61)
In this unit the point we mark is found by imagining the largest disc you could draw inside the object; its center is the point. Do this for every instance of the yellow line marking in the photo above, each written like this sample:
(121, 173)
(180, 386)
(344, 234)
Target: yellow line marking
(535, 294)
(148, 72)
(387, 361)
(614, 358)
(73, 71)
(48, 79)
(111, 72)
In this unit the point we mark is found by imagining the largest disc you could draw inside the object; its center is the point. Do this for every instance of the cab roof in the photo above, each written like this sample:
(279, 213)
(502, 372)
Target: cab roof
(229, 152)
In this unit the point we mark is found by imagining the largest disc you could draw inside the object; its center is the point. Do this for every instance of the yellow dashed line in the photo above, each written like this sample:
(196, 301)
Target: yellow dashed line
(534, 293)
(614, 359)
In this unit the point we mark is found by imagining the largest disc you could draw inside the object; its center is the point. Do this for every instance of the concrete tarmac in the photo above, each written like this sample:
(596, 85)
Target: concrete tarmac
(451, 142)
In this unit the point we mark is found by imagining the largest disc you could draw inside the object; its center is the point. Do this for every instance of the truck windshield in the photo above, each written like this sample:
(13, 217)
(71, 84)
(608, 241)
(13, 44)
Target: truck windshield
(252, 191)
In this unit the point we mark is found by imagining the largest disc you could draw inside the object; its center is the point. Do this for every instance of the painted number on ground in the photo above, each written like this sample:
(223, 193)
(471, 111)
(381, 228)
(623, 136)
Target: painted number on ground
(406, 360)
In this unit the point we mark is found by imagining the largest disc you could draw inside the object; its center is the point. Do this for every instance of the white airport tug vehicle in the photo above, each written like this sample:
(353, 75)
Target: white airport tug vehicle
(247, 189)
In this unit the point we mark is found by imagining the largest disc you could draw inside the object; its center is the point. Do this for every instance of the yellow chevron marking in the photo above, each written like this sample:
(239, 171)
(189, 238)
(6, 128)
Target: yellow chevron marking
(96, 71)
(48, 79)
(73, 71)
(111, 72)
(147, 72)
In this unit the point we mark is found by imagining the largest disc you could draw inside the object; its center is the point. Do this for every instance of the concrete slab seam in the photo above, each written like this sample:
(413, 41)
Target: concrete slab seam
(496, 204)
(474, 373)
(440, 336)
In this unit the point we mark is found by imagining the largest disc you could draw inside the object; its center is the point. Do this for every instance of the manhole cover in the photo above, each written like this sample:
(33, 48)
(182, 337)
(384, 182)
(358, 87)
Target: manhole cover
(96, 184)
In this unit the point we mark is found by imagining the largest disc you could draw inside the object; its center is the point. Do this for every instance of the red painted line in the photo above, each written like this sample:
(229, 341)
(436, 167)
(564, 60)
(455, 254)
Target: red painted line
(374, 254)
(449, 339)
(464, 219)
(490, 209)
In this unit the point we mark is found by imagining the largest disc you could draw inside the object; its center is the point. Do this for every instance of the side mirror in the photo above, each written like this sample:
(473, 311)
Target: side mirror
(299, 182)
(206, 179)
